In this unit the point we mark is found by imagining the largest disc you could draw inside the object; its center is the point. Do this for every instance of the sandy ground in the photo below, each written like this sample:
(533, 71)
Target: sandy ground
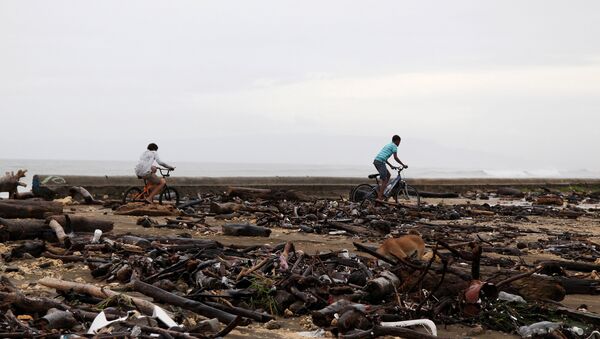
(310, 243)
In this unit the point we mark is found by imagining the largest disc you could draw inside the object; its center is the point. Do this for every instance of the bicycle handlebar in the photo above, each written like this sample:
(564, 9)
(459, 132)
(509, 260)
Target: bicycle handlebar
(160, 169)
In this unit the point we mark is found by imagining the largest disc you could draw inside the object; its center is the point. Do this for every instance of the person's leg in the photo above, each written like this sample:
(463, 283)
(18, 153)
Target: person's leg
(384, 175)
(159, 184)
(382, 187)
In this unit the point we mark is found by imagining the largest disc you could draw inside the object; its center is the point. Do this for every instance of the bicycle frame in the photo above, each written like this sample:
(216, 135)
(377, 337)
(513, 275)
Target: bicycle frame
(147, 187)
(392, 184)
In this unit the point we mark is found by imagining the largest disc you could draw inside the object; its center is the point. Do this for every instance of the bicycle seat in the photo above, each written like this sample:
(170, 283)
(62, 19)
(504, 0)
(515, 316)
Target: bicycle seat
(373, 176)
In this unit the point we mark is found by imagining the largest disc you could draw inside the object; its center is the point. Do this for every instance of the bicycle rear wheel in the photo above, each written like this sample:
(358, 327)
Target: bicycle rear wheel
(132, 194)
(408, 194)
(169, 195)
(364, 192)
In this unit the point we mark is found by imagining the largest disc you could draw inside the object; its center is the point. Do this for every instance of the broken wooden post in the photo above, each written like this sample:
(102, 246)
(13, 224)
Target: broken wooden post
(62, 237)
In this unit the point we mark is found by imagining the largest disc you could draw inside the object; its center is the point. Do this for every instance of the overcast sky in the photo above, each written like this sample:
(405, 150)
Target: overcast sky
(483, 84)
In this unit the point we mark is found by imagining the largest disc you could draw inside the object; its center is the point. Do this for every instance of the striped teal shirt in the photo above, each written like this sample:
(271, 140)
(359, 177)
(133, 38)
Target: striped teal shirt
(386, 152)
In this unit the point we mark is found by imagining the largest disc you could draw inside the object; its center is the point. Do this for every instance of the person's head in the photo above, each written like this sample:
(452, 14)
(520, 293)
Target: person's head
(396, 139)
(152, 147)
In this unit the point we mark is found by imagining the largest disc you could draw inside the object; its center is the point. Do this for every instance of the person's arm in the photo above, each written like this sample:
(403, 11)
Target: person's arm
(398, 160)
(163, 164)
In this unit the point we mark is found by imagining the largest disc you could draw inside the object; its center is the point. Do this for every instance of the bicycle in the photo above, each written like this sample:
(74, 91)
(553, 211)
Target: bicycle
(168, 194)
(397, 188)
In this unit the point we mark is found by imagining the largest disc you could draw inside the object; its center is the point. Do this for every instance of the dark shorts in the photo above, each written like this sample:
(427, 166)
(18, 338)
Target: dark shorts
(384, 174)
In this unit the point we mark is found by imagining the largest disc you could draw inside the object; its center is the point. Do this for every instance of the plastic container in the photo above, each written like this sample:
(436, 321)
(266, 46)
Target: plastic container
(543, 327)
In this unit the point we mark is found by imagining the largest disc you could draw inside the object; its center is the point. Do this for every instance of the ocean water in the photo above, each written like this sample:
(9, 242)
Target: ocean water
(118, 168)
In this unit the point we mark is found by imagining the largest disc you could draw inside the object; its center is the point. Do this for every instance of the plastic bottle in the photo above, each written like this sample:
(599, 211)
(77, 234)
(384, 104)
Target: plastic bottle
(510, 297)
(97, 235)
(543, 327)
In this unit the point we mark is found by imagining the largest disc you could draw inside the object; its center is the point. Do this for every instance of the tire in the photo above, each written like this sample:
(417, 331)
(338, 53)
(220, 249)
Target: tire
(131, 194)
(169, 195)
(408, 194)
(363, 192)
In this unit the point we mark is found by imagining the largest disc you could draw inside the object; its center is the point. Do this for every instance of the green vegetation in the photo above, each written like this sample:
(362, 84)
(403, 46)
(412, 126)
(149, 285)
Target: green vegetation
(263, 297)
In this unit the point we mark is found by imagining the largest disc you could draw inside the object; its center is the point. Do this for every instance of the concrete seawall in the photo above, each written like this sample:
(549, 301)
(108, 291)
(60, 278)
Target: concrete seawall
(114, 186)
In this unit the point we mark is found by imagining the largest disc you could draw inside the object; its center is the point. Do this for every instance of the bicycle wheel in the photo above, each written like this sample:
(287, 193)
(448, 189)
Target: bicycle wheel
(169, 195)
(408, 194)
(132, 194)
(364, 192)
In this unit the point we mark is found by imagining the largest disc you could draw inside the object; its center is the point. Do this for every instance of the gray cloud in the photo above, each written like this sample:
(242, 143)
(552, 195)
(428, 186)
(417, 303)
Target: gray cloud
(465, 82)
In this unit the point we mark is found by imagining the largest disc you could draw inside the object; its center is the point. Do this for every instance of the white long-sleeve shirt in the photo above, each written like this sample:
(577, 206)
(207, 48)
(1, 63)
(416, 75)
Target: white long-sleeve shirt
(144, 166)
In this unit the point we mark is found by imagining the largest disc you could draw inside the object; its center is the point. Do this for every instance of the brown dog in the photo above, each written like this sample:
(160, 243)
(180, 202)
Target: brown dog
(405, 246)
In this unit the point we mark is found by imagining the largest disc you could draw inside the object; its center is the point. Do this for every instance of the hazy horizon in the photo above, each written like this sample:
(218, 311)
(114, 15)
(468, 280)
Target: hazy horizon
(467, 84)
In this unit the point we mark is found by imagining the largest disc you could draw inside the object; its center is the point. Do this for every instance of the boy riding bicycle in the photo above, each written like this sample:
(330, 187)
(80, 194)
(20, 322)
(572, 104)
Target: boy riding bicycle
(382, 159)
(145, 169)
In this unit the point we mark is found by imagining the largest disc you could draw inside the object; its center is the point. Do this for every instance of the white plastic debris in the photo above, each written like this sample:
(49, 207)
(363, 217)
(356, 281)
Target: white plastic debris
(100, 322)
(97, 235)
(319, 333)
(594, 335)
(423, 322)
(542, 327)
(577, 330)
(511, 297)
(161, 315)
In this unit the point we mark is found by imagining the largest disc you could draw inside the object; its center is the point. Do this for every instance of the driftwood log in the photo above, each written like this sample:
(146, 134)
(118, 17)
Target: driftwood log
(82, 224)
(245, 230)
(152, 210)
(169, 298)
(88, 198)
(569, 265)
(355, 229)
(510, 191)
(23, 229)
(247, 193)
(225, 208)
(144, 306)
(232, 207)
(424, 194)
(10, 181)
(29, 208)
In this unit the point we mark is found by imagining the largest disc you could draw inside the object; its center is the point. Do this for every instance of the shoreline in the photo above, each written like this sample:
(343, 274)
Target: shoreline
(113, 186)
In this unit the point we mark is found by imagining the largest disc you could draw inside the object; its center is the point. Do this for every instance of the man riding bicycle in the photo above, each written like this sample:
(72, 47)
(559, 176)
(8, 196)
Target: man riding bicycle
(145, 169)
(382, 158)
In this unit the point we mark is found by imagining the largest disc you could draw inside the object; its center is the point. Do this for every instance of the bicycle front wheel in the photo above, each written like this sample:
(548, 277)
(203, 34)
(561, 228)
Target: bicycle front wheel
(132, 194)
(364, 192)
(408, 195)
(169, 195)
